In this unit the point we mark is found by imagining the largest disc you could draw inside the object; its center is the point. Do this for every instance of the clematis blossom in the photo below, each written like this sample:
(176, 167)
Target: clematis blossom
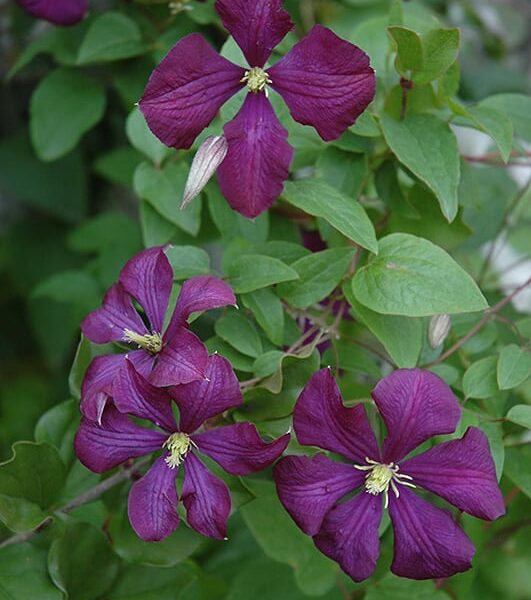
(168, 355)
(325, 81)
(59, 12)
(153, 499)
(317, 492)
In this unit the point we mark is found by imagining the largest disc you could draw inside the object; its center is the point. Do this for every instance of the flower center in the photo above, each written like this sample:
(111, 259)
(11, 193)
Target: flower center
(177, 6)
(151, 342)
(380, 477)
(256, 79)
(178, 445)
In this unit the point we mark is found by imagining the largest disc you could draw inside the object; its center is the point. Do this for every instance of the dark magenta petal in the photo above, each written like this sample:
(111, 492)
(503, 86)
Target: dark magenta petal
(239, 449)
(206, 499)
(462, 472)
(309, 487)
(320, 419)
(197, 295)
(325, 81)
(60, 12)
(133, 395)
(181, 360)
(257, 163)
(218, 391)
(152, 505)
(148, 277)
(428, 544)
(349, 535)
(108, 323)
(186, 90)
(105, 446)
(257, 26)
(97, 385)
(415, 406)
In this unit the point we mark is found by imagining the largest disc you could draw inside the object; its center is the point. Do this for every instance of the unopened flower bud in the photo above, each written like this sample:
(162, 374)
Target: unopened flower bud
(438, 330)
(208, 158)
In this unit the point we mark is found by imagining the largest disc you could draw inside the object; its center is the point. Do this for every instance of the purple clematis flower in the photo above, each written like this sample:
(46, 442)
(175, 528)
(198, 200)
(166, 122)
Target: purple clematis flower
(60, 12)
(325, 81)
(166, 356)
(415, 405)
(238, 448)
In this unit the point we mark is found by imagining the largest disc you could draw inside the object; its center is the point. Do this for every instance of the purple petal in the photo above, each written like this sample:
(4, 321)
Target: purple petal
(206, 499)
(186, 90)
(257, 163)
(97, 385)
(142, 361)
(415, 406)
(462, 472)
(325, 81)
(152, 505)
(197, 295)
(103, 447)
(320, 419)
(108, 323)
(201, 400)
(239, 449)
(148, 277)
(257, 26)
(349, 535)
(309, 487)
(135, 396)
(428, 544)
(60, 12)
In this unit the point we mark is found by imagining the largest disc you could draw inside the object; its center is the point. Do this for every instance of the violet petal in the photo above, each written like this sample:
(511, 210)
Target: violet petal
(60, 12)
(257, 163)
(349, 535)
(186, 90)
(415, 406)
(97, 384)
(152, 505)
(428, 543)
(309, 487)
(320, 419)
(206, 499)
(462, 472)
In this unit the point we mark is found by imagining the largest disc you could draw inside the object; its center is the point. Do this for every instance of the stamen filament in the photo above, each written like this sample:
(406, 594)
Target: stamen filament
(379, 477)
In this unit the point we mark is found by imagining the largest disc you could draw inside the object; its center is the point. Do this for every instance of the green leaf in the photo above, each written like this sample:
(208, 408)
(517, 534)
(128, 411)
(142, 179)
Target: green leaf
(514, 366)
(267, 310)
(496, 124)
(391, 587)
(64, 106)
(319, 199)
(240, 333)
(111, 36)
(400, 336)
(253, 271)
(319, 274)
(408, 50)
(521, 415)
(415, 278)
(342, 170)
(143, 140)
(428, 147)
(57, 427)
(517, 107)
(118, 165)
(163, 189)
(239, 361)
(23, 574)
(283, 541)
(30, 482)
(517, 461)
(479, 380)
(141, 582)
(188, 261)
(82, 563)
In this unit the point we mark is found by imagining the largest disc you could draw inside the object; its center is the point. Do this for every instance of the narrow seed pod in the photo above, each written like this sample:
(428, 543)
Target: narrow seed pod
(438, 330)
(207, 159)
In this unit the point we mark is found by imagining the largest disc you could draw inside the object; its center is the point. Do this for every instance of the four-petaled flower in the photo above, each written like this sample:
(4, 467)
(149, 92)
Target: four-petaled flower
(238, 448)
(415, 405)
(166, 356)
(325, 81)
(60, 12)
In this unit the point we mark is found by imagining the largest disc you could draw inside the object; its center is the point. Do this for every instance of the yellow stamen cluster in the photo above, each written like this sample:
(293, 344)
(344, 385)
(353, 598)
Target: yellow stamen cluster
(380, 476)
(178, 445)
(177, 6)
(257, 80)
(151, 342)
